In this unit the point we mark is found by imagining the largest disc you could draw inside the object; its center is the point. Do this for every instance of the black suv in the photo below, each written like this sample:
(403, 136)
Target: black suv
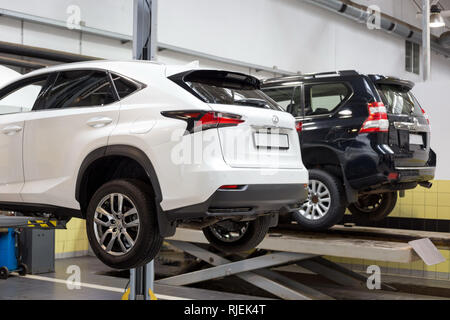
(364, 138)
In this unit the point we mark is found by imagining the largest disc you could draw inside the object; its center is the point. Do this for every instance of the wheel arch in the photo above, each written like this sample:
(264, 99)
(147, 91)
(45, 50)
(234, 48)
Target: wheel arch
(127, 152)
(330, 160)
(318, 156)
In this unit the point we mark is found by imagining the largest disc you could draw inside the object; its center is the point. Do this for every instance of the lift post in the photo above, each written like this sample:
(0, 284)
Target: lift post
(144, 48)
(144, 29)
(142, 283)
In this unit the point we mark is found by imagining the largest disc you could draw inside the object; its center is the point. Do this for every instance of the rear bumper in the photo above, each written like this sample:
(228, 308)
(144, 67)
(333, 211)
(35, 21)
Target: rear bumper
(415, 174)
(251, 200)
(370, 169)
(408, 178)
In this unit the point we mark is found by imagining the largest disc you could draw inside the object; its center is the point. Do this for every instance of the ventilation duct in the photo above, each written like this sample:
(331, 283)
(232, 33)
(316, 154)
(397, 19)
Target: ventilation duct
(391, 25)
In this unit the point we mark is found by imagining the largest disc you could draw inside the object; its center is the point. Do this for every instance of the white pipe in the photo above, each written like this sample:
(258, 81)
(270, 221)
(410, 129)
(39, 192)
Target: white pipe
(426, 40)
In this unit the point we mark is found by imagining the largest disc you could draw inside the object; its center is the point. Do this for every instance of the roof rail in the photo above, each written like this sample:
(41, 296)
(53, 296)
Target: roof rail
(313, 76)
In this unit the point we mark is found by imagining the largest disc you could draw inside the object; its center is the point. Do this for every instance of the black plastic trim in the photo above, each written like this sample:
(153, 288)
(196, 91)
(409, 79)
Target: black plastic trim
(205, 76)
(90, 158)
(251, 201)
(40, 208)
(166, 228)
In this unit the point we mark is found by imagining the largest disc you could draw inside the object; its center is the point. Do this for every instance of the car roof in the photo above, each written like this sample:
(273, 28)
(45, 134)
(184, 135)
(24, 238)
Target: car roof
(139, 70)
(335, 75)
(111, 65)
(309, 76)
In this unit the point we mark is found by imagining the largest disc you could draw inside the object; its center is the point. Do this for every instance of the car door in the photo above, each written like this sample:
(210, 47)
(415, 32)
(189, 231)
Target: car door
(321, 123)
(76, 116)
(16, 101)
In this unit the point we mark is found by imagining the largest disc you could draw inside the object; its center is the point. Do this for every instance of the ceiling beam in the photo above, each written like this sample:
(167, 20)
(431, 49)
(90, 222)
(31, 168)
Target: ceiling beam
(14, 62)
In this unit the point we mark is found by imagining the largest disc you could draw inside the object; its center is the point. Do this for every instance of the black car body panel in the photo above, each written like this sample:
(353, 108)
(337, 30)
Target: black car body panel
(332, 138)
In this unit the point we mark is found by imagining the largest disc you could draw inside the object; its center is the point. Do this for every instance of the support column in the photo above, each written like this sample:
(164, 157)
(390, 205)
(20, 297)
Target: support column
(426, 40)
(144, 48)
(144, 29)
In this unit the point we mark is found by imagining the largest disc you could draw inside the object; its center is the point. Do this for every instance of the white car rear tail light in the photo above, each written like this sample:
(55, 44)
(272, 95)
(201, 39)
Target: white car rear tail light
(198, 120)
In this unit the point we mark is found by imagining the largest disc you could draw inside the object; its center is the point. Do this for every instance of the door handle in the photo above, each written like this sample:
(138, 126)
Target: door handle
(99, 122)
(11, 130)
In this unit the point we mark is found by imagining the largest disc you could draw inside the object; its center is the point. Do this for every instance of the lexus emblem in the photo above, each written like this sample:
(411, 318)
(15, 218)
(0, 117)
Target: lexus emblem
(275, 120)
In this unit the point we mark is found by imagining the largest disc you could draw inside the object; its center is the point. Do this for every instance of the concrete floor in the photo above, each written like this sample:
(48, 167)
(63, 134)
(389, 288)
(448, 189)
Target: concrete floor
(98, 282)
(43, 286)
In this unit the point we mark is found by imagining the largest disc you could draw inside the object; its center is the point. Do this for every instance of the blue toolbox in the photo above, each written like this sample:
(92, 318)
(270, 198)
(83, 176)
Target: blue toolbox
(10, 254)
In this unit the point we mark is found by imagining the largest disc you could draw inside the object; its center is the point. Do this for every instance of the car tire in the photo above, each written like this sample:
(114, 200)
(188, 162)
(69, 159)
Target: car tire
(131, 221)
(373, 207)
(326, 202)
(222, 235)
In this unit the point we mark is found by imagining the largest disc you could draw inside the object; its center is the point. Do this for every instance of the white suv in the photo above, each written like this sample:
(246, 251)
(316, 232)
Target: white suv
(136, 148)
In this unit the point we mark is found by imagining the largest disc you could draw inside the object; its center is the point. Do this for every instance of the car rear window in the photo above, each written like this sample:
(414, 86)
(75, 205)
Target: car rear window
(124, 87)
(223, 87)
(399, 100)
(223, 95)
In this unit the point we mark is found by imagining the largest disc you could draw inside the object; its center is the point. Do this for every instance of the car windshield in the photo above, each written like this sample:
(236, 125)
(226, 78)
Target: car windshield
(223, 95)
(399, 100)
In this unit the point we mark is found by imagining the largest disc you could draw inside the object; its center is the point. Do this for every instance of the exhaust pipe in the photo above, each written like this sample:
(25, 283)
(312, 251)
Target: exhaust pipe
(426, 184)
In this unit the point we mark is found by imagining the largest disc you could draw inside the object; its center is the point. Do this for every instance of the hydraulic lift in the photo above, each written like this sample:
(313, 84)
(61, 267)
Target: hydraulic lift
(302, 250)
(284, 246)
(31, 222)
(144, 48)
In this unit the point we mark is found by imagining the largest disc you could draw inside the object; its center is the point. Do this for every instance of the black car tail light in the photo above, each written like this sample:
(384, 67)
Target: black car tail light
(377, 120)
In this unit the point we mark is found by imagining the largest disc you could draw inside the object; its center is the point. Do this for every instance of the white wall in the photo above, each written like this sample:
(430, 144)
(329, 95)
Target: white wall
(295, 35)
(111, 15)
(290, 34)
(435, 99)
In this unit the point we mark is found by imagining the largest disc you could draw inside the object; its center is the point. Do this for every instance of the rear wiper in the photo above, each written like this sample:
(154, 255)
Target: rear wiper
(259, 103)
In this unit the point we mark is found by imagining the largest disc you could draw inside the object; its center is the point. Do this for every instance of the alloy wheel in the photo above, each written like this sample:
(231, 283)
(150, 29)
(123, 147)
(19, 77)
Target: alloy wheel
(116, 224)
(318, 203)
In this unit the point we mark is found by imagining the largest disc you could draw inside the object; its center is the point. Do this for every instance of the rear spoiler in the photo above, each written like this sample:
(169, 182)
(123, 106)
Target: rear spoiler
(219, 78)
(405, 85)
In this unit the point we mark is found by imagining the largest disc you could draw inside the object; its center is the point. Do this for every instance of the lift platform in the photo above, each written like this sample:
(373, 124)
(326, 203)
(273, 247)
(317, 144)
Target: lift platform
(306, 250)
(31, 222)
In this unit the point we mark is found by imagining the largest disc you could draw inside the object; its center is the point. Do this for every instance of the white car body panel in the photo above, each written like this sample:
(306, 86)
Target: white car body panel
(11, 166)
(66, 136)
(55, 143)
(249, 156)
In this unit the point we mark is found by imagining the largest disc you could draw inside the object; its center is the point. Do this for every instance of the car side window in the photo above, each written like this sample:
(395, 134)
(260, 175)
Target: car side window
(123, 86)
(21, 97)
(80, 88)
(324, 98)
(287, 97)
